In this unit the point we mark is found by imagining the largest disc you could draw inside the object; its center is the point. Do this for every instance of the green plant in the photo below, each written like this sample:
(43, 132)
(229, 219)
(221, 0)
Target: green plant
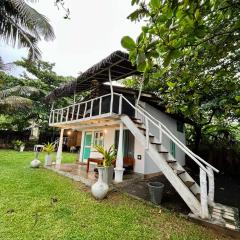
(17, 144)
(49, 148)
(108, 155)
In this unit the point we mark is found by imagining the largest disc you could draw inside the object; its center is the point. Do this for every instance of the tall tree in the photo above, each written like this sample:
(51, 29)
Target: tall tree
(22, 25)
(190, 52)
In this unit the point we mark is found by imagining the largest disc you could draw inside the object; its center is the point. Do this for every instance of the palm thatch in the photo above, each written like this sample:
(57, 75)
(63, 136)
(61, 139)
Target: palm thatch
(120, 68)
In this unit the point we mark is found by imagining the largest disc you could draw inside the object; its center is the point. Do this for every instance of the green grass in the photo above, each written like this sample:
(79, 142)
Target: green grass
(27, 211)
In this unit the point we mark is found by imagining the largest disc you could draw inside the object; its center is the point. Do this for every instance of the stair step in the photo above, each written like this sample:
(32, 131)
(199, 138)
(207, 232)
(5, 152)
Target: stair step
(189, 183)
(150, 135)
(171, 161)
(198, 196)
(179, 172)
(136, 119)
(142, 128)
(163, 151)
(156, 143)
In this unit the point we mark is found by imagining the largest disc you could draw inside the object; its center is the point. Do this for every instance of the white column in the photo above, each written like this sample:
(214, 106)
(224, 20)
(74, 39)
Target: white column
(204, 197)
(210, 186)
(119, 162)
(81, 147)
(59, 151)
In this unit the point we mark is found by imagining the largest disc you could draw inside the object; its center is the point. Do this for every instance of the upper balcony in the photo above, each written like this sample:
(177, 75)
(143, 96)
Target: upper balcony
(107, 107)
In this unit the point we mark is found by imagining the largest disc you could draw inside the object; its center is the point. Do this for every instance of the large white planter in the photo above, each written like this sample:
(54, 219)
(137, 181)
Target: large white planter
(21, 148)
(48, 160)
(100, 188)
(35, 163)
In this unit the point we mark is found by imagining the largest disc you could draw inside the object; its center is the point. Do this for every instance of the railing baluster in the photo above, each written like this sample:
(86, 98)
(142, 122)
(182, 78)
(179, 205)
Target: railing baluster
(78, 111)
(160, 132)
(85, 109)
(91, 108)
(67, 114)
(61, 116)
(210, 186)
(73, 110)
(100, 106)
(204, 197)
(147, 133)
(120, 105)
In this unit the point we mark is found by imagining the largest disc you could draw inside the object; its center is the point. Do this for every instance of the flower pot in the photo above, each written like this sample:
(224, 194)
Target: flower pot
(21, 149)
(156, 192)
(99, 189)
(48, 160)
(108, 175)
(35, 163)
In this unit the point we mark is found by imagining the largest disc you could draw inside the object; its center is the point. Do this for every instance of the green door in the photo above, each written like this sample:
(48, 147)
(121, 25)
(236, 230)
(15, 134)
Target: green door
(87, 146)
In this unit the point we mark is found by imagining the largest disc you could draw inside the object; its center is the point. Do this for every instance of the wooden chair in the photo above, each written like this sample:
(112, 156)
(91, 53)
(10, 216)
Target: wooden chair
(128, 164)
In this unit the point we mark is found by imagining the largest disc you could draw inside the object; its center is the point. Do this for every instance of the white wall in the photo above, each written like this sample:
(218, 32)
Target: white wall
(171, 124)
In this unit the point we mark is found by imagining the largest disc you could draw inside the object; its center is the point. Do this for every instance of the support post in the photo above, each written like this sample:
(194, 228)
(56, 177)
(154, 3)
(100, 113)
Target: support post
(140, 91)
(111, 87)
(81, 148)
(210, 186)
(204, 197)
(119, 162)
(59, 151)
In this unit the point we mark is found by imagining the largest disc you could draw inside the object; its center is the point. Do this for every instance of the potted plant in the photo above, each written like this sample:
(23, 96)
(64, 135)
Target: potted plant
(48, 148)
(109, 156)
(18, 145)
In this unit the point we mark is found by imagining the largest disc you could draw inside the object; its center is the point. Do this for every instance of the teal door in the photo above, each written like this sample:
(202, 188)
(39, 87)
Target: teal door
(87, 146)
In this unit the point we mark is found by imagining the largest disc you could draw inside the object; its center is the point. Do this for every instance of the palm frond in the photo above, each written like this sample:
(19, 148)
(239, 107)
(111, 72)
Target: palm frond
(15, 102)
(19, 90)
(22, 25)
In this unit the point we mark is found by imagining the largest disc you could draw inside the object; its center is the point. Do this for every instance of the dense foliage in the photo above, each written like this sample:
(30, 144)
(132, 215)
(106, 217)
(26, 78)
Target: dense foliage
(189, 54)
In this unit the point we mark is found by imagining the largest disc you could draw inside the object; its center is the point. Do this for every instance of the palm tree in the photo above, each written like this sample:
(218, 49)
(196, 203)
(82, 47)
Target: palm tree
(23, 26)
(16, 98)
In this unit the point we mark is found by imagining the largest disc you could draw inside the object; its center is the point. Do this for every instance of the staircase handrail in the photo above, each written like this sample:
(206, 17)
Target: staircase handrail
(166, 131)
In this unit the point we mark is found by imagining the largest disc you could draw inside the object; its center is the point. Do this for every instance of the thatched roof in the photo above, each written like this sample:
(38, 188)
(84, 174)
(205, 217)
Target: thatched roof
(120, 67)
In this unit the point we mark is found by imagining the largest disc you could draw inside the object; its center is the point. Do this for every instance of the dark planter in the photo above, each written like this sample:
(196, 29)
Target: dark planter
(156, 192)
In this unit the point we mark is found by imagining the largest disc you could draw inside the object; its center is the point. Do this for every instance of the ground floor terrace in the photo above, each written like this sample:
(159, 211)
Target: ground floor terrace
(40, 204)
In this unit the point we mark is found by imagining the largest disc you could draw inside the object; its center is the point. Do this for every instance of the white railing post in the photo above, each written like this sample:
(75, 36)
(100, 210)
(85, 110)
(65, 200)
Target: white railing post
(78, 111)
(85, 109)
(61, 119)
(50, 117)
(100, 106)
(160, 133)
(91, 109)
(120, 105)
(67, 114)
(73, 110)
(211, 187)
(111, 104)
(204, 196)
(147, 133)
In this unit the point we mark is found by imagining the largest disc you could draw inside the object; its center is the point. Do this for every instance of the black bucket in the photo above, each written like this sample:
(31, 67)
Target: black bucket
(156, 192)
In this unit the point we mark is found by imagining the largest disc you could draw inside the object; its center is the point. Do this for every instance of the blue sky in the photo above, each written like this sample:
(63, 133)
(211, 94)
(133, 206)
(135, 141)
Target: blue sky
(94, 31)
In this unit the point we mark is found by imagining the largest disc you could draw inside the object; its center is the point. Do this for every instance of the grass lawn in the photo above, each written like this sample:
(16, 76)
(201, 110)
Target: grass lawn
(28, 212)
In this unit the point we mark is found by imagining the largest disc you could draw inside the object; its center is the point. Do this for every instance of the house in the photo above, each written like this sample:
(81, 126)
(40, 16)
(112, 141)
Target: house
(137, 125)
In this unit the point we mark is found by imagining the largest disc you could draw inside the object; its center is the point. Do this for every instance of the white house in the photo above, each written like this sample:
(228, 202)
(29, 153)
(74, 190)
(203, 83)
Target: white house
(136, 124)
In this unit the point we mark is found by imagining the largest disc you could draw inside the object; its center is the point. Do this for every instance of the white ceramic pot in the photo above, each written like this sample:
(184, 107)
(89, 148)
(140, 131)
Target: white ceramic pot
(22, 148)
(35, 163)
(100, 188)
(48, 160)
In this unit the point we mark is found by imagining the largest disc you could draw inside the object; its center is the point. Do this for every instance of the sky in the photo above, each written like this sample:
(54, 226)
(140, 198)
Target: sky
(94, 31)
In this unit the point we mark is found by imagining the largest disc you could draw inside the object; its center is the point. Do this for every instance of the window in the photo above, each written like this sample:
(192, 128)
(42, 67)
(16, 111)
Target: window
(180, 126)
(98, 138)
